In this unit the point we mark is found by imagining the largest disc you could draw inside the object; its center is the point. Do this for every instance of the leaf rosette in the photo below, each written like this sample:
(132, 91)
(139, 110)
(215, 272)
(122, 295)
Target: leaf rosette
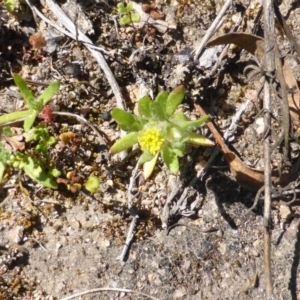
(160, 128)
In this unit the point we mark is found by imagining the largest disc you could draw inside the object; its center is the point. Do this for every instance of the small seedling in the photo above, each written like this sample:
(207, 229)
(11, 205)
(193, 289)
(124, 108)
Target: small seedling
(92, 184)
(159, 129)
(128, 15)
(35, 105)
(10, 5)
(41, 136)
(72, 181)
(34, 162)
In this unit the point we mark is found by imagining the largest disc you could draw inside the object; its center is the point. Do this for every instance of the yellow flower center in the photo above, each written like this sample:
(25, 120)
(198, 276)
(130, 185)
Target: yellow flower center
(151, 140)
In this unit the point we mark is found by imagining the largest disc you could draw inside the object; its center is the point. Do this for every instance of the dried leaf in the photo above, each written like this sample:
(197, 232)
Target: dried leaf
(249, 178)
(15, 142)
(252, 43)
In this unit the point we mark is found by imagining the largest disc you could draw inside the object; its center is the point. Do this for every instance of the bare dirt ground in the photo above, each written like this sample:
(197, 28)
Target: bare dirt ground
(55, 243)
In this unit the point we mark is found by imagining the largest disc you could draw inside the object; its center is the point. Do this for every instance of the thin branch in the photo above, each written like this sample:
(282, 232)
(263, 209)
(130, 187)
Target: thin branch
(212, 29)
(129, 238)
(269, 65)
(108, 290)
(130, 196)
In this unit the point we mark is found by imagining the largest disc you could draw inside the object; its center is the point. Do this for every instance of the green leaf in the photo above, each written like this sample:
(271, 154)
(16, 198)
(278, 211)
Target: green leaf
(174, 134)
(146, 156)
(124, 143)
(129, 7)
(6, 131)
(24, 89)
(149, 166)
(179, 149)
(10, 5)
(125, 20)
(199, 140)
(48, 93)
(135, 17)
(55, 173)
(122, 117)
(28, 122)
(37, 105)
(92, 184)
(17, 115)
(4, 154)
(157, 111)
(161, 98)
(127, 121)
(174, 100)
(178, 117)
(144, 107)
(35, 173)
(170, 159)
(121, 8)
(136, 126)
(191, 125)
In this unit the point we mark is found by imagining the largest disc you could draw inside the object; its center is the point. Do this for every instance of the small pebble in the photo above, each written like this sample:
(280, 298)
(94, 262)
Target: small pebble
(16, 234)
(254, 253)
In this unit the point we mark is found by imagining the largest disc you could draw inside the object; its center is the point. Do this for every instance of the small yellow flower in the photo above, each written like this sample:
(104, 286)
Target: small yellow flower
(151, 140)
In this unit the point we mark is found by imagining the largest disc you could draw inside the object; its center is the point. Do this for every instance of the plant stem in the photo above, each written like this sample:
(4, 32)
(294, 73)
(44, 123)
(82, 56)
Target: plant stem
(269, 65)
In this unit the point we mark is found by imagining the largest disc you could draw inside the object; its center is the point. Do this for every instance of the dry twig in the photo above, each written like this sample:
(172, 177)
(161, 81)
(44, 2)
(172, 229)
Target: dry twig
(212, 29)
(269, 66)
(108, 290)
(130, 196)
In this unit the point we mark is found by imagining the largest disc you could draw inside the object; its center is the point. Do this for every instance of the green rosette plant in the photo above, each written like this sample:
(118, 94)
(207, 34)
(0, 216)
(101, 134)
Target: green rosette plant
(129, 16)
(159, 129)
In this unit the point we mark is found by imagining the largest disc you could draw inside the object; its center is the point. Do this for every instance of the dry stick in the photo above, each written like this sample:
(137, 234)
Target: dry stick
(269, 65)
(212, 29)
(108, 290)
(130, 196)
(129, 238)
